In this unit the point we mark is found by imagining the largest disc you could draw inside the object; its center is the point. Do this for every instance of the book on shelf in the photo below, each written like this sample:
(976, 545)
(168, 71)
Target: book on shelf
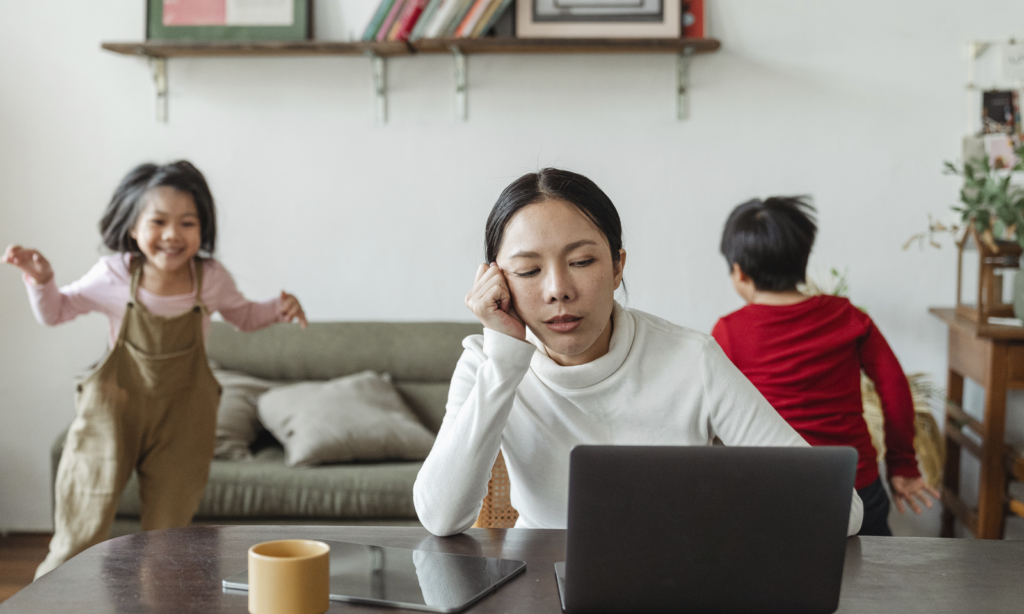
(389, 21)
(441, 18)
(401, 20)
(460, 14)
(473, 16)
(425, 18)
(407, 21)
(370, 33)
(497, 10)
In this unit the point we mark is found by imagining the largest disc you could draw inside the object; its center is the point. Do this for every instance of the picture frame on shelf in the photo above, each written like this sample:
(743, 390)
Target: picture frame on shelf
(598, 18)
(598, 10)
(229, 20)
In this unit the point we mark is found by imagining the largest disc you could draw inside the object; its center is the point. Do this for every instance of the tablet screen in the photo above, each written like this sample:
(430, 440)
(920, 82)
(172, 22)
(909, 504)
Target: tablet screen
(402, 578)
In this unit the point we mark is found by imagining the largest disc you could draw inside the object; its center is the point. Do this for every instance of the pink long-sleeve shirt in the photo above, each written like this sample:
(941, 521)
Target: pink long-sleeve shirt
(106, 286)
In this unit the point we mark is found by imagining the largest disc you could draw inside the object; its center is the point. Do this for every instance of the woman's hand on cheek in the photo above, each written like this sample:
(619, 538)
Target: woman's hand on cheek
(491, 302)
(290, 309)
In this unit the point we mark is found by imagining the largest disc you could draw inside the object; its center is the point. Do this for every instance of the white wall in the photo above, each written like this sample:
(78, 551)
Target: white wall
(855, 103)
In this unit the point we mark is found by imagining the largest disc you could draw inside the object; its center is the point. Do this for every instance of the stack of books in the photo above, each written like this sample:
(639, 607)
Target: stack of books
(401, 20)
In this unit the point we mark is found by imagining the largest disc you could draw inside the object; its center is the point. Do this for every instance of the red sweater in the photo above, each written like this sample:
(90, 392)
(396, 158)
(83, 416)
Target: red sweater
(806, 361)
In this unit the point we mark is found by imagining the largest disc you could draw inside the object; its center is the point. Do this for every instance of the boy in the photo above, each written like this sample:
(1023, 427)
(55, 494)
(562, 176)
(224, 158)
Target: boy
(805, 354)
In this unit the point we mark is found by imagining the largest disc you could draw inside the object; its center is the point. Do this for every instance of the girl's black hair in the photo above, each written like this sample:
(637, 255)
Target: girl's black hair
(129, 199)
(771, 240)
(553, 183)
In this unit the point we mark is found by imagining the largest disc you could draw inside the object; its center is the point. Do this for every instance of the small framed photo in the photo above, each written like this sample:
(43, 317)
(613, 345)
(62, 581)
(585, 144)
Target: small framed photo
(229, 20)
(598, 18)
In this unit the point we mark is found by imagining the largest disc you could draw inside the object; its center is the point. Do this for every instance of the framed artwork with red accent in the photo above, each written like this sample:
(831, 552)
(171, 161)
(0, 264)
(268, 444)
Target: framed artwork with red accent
(229, 20)
(598, 18)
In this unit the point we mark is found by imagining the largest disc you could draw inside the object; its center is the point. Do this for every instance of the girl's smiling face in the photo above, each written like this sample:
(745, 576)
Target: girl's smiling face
(562, 278)
(168, 231)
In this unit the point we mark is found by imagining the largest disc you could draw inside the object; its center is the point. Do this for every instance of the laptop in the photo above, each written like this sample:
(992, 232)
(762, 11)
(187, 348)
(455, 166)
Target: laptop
(706, 529)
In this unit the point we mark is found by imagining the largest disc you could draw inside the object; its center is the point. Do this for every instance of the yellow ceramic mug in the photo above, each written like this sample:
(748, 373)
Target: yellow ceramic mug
(289, 576)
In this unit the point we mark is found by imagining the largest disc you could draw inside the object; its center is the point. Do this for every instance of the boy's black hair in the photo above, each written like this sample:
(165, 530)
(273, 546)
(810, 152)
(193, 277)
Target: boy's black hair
(771, 240)
(129, 200)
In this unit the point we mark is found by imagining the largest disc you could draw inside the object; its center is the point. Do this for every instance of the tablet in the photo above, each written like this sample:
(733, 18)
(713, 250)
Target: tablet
(402, 578)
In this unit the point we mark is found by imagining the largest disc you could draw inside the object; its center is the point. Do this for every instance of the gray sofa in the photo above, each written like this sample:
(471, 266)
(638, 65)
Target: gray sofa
(420, 356)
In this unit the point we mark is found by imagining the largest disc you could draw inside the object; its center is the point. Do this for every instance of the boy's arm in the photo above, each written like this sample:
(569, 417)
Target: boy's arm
(881, 365)
(721, 337)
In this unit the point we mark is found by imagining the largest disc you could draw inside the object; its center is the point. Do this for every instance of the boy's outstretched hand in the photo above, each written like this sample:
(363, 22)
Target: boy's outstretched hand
(912, 490)
(30, 262)
(291, 310)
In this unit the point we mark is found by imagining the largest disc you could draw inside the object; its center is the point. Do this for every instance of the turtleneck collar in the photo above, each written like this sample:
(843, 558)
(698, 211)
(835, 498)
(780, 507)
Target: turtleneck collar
(593, 372)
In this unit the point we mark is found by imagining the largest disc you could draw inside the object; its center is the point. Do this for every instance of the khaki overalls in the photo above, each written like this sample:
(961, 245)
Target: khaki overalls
(151, 406)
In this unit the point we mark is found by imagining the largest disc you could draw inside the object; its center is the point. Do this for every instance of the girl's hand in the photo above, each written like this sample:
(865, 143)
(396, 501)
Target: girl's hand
(291, 310)
(30, 262)
(909, 489)
(491, 302)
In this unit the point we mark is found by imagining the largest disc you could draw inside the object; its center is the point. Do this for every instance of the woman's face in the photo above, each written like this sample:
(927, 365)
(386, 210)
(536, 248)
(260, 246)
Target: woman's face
(560, 272)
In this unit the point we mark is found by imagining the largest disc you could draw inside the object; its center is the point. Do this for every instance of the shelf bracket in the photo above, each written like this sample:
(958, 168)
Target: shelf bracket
(683, 84)
(461, 87)
(158, 68)
(380, 88)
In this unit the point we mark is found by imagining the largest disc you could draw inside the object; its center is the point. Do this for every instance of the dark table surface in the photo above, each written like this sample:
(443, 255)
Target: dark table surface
(180, 571)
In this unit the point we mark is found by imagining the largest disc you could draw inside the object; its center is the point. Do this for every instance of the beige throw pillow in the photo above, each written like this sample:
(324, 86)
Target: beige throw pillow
(357, 417)
(238, 421)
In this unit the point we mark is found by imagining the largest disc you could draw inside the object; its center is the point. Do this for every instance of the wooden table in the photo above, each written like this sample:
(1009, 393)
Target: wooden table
(179, 571)
(992, 356)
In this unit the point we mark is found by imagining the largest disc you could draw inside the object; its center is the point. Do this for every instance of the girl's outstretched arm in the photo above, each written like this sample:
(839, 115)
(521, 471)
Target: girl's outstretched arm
(31, 262)
(290, 310)
(51, 305)
(221, 294)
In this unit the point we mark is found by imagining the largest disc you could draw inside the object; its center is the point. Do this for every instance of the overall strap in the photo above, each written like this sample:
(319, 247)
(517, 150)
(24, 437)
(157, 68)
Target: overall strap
(135, 267)
(199, 283)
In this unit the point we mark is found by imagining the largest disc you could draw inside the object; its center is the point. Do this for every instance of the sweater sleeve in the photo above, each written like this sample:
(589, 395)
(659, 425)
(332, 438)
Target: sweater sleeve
(53, 306)
(221, 294)
(740, 416)
(879, 362)
(452, 483)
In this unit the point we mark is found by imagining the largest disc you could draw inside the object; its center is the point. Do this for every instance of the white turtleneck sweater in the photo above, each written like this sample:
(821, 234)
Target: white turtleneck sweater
(659, 384)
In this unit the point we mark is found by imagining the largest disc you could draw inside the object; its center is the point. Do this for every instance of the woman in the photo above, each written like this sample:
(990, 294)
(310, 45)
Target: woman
(561, 364)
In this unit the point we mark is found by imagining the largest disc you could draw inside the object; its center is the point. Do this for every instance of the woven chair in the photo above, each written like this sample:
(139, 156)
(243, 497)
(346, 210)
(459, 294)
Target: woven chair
(929, 444)
(497, 512)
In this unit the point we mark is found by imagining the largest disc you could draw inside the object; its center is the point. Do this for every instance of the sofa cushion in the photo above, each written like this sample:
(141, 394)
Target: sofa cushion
(238, 422)
(357, 417)
(409, 351)
(265, 488)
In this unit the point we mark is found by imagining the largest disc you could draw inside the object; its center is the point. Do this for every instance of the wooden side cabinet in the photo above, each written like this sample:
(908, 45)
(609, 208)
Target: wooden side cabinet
(992, 356)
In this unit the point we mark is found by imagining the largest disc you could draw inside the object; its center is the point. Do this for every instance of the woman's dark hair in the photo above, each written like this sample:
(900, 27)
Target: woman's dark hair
(553, 183)
(771, 240)
(130, 198)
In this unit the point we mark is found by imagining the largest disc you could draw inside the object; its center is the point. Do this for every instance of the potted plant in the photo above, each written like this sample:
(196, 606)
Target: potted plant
(990, 236)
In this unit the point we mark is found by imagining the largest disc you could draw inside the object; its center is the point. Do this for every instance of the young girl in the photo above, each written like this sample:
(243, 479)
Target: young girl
(561, 364)
(151, 405)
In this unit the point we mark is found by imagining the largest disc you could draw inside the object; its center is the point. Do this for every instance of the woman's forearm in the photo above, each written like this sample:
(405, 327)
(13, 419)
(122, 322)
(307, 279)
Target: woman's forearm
(453, 481)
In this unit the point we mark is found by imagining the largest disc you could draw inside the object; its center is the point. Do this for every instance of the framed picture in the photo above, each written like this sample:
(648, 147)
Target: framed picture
(229, 20)
(598, 18)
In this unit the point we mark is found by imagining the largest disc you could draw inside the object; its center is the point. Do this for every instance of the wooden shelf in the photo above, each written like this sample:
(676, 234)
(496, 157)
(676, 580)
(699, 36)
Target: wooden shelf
(497, 45)
(489, 45)
(175, 49)
(158, 52)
